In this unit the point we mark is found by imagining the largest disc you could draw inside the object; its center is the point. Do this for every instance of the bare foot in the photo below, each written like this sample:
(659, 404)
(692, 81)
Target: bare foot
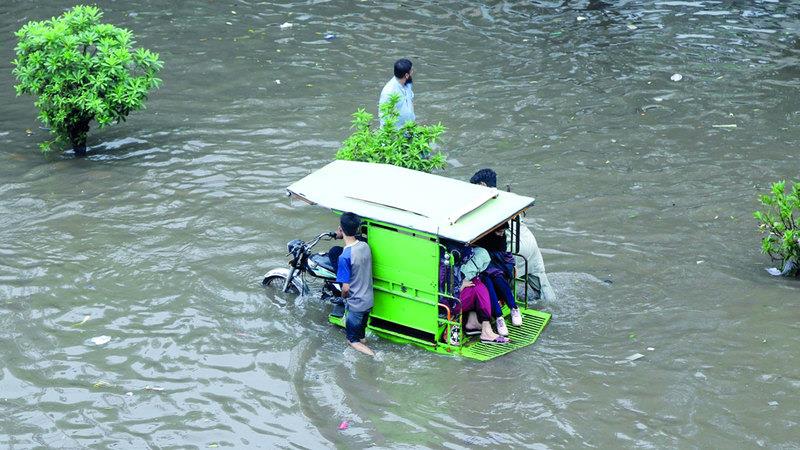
(472, 321)
(362, 348)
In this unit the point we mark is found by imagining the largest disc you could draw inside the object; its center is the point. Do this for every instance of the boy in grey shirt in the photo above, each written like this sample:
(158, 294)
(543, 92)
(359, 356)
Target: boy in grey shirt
(355, 274)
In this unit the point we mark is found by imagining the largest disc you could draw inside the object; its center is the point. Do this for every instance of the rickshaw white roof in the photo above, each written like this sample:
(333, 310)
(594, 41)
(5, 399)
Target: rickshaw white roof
(408, 198)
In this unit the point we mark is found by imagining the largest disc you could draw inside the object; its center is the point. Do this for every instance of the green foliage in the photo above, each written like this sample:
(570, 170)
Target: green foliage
(409, 146)
(781, 222)
(81, 70)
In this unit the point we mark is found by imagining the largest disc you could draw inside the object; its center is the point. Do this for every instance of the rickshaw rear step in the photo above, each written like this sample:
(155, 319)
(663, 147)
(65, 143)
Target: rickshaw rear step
(533, 324)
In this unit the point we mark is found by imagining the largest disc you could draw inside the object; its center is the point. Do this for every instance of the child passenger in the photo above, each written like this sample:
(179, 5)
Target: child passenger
(355, 273)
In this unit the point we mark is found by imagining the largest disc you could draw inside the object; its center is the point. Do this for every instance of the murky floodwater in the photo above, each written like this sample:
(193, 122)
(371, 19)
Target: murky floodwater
(643, 213)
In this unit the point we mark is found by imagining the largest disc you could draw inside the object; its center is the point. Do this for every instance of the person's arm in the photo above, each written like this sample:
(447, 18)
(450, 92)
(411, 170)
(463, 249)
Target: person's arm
(344, 272)
(384, 97)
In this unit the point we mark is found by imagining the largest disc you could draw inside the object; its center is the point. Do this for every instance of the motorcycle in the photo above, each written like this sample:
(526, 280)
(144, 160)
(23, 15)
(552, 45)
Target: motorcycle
(304, 261)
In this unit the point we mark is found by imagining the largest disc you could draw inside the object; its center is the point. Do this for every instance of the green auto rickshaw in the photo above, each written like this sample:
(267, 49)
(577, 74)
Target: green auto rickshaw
(411, 221)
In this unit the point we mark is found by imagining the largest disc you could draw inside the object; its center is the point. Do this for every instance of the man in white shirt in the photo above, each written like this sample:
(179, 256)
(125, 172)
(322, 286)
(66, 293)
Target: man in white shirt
(400, 84)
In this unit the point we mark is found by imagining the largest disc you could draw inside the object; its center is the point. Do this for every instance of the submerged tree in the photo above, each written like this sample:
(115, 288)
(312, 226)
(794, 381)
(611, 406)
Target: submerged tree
(410, 146)
(781, 223)
(80, 70)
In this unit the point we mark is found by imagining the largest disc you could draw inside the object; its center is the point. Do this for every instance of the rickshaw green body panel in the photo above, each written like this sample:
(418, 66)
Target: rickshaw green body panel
(405, 270)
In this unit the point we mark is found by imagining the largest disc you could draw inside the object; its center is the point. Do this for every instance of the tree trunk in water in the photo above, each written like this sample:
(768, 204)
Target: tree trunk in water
(77, 137)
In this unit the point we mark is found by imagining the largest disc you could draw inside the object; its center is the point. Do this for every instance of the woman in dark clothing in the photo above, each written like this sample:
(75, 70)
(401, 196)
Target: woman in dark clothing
(494, 278)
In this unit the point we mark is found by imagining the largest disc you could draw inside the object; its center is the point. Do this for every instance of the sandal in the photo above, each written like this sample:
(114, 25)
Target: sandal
(471, 331)
(497, 340)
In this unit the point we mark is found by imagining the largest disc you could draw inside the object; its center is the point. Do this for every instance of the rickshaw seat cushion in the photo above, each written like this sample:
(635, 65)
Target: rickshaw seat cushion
(323, 260)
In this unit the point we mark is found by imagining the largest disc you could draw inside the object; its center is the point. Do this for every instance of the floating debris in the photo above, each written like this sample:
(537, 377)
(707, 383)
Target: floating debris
(286, 25)
(101, 340)
(344, 425)
(329, 37)
(580, 18)
(629, 359)
(632, 26)
(774, 271)
(676, 77)
(634, 357)
(85, 319)
(773, 403)
(277, 81)
(727, 125)
(152, 388)
(650, 349)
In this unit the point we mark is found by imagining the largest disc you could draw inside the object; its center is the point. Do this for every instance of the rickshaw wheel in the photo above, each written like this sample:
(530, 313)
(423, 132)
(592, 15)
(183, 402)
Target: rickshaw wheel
(278, 281)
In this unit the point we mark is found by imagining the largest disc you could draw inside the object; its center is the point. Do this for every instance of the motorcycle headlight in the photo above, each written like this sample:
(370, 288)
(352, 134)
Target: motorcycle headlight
(293, 245)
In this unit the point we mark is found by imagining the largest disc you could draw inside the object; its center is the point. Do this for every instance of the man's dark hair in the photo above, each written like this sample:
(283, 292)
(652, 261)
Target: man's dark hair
(486, 176)
(350, 224)
(402, 67)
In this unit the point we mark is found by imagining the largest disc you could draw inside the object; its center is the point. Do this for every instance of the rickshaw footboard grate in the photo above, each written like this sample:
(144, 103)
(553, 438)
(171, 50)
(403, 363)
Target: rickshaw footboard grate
(532, 325)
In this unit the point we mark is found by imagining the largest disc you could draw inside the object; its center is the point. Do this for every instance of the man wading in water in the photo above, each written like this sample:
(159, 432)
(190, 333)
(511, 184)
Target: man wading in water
(400, 84)
(355, 274)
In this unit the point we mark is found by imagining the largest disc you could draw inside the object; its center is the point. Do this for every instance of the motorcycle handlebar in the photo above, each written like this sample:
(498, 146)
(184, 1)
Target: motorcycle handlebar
(329, 235)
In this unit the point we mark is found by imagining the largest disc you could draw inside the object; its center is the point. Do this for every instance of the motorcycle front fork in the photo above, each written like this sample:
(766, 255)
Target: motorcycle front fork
(331, 294)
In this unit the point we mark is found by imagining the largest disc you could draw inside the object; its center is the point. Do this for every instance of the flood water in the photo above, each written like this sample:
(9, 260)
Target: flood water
(644, 215)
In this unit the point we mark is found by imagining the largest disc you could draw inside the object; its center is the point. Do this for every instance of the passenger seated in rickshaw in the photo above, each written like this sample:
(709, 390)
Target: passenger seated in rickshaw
(476, 299)
(496, 278)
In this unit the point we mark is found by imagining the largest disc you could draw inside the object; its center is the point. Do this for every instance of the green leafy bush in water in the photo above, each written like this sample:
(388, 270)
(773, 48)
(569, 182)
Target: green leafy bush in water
(409, 146)
(81, 70)
(781, 223)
